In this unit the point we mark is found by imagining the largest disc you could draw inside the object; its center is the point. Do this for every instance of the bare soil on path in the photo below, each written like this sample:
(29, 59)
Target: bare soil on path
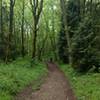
(55, 87)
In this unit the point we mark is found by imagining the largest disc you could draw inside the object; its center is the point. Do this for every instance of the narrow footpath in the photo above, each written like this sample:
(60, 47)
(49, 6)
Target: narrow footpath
(55, 87)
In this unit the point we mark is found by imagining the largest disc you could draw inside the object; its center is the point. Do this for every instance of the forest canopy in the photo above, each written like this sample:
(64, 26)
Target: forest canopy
(65, 30)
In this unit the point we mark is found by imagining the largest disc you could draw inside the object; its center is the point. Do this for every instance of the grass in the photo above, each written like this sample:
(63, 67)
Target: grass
(86, 87)
(15, 76)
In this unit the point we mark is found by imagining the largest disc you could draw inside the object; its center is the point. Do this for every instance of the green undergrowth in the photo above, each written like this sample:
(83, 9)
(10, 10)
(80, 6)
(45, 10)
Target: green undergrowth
(86, 87)
(18, 74)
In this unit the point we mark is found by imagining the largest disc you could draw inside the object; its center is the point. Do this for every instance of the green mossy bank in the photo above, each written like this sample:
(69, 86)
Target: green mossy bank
(86, 87)
(15, 76)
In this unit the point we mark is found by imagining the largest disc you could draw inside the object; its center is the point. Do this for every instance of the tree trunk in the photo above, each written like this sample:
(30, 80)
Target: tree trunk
(1, 25)
(36, 11)
(41, 50)
(22, 30)
(2, 49)
(34, 43)
(63, 8)
(9, 45)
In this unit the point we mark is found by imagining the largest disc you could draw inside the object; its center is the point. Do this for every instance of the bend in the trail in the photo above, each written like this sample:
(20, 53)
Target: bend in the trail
(56, 87)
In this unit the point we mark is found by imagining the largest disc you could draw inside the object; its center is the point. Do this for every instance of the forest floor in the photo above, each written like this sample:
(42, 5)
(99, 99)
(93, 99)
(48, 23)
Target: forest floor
(55, 87)
(85, 86)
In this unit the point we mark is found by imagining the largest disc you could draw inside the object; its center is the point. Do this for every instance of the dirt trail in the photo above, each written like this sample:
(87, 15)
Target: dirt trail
(56, 87)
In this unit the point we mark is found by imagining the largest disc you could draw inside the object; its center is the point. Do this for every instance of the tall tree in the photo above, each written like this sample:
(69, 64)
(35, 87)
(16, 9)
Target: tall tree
(1, 20)
(1, 28)
(22, 28)
(10, 34)
(64, 14)
(85, 48)
(62, 44)
(37, 7)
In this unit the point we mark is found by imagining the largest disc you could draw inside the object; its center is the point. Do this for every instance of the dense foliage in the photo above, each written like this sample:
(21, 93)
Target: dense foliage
(20, 36)
(83, 33)
(62, 45)
(17, 75)
(66, 31)
(86, 87)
